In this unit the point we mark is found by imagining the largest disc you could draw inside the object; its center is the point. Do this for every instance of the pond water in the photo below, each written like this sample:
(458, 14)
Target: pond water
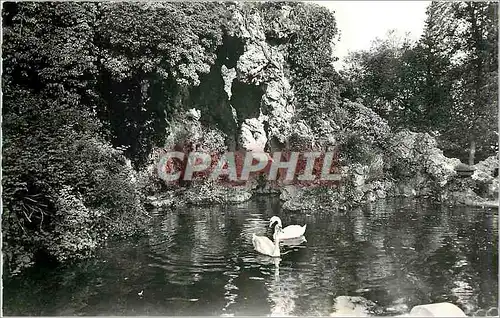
(200, 261)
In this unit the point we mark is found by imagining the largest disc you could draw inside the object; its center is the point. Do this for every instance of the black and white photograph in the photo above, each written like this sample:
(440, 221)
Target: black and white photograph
(250, 158)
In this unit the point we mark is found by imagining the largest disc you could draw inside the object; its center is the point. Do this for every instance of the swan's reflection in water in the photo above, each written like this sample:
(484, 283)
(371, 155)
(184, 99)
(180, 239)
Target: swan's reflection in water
(295, 242)
(282, 289)
(282, 292)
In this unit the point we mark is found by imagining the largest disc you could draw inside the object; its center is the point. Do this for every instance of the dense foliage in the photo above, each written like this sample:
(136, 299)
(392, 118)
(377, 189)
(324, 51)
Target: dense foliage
(80, 82)
(64, 187)
(310, 58)
(150, 54)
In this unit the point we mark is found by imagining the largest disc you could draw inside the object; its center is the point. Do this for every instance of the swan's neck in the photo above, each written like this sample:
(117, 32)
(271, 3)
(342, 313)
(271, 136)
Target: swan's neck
(276, 247)
(276, 244)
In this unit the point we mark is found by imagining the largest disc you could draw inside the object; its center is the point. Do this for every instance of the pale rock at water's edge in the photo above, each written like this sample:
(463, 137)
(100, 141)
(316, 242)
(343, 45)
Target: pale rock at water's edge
(437, 310)
(356, 306)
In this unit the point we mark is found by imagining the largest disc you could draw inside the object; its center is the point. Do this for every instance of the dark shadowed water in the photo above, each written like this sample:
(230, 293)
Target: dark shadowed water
(200, 261)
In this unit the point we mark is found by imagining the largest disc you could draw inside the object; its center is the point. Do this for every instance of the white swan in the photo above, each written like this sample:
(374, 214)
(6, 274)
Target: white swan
(289, 232)
(264, 245)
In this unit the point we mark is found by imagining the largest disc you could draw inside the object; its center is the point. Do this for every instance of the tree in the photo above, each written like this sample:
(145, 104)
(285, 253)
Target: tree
(460, 45)
(387, 78)
(445, 84)
(315, 81)
(476, 71)
(150, 56)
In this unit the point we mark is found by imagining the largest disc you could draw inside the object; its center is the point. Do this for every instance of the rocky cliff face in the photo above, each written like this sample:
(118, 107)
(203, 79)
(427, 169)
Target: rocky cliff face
(263, 65)
(255, 109)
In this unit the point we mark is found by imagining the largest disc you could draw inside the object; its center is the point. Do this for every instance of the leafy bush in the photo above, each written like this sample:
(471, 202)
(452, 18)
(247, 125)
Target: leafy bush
(65, 188)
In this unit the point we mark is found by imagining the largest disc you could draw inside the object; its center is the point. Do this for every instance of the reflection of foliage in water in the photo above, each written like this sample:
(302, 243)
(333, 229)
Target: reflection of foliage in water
(197, 261)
